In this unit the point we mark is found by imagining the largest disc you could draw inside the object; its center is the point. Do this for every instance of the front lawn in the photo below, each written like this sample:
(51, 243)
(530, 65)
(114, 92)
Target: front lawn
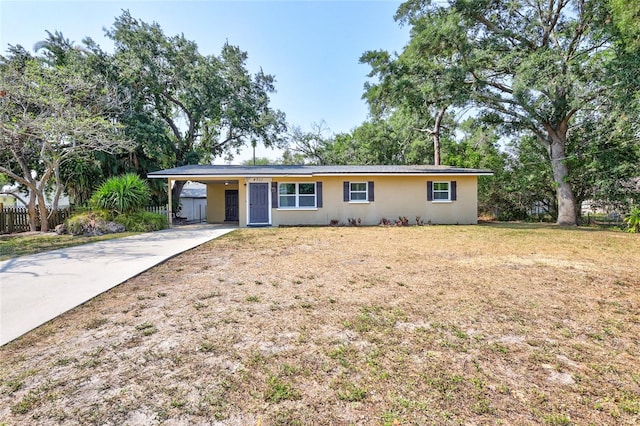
(31, 243)
(509, 324)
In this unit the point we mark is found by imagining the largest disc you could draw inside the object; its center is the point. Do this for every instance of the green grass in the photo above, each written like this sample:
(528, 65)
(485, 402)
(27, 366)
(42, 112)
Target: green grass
(351, 393)
(21, 245)
(278, 390)
(147, 329)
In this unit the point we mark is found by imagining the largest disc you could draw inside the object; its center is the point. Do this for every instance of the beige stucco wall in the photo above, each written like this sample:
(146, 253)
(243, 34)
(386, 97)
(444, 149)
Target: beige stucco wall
(215, 201)
(394, 196)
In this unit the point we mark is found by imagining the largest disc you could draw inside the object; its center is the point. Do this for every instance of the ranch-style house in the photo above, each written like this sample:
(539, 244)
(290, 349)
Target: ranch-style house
(320, 195)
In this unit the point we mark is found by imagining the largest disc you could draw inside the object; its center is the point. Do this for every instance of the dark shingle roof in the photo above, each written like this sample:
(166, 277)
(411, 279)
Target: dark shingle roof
(280, 170)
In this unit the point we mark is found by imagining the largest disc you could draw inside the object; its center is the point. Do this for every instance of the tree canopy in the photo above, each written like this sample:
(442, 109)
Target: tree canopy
(49, 115)
(542, 92)
(210, 105)
(539, 67)
(177, 106)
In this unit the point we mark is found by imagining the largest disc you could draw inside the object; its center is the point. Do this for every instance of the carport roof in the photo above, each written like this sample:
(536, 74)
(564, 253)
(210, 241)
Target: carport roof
(204, 171)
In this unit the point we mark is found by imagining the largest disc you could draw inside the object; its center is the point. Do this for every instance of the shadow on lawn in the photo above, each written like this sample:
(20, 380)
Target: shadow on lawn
(543, 225)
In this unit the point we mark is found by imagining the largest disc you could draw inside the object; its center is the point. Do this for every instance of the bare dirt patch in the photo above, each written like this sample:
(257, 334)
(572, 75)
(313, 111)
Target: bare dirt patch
(421, 325)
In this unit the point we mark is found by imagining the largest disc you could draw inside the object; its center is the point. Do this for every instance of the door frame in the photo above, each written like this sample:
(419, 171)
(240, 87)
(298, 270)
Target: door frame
(237, 205)
(266, 181)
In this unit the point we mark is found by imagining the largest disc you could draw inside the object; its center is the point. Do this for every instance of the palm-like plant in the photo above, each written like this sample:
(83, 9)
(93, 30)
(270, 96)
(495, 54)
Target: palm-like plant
(633, 220)
(122, 194)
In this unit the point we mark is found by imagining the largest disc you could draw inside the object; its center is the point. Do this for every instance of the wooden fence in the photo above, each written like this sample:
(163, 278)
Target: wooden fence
(16, 219)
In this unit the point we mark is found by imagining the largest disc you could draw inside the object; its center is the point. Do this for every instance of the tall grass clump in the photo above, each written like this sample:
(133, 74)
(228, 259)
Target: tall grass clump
(142, 221)
(122, 194)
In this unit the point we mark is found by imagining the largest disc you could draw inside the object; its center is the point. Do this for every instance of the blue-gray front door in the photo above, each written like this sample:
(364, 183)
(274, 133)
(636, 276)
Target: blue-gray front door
(258, 203)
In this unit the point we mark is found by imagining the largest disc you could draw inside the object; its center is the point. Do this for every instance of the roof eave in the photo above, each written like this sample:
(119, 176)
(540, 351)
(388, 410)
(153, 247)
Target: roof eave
(225, 176)
(434, 173)
(309, 175)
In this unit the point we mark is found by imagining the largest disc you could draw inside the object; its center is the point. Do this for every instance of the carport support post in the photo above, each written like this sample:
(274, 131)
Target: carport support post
(170, 206)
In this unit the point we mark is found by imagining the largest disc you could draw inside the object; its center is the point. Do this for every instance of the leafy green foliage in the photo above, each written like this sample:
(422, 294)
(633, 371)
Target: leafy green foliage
(311, 146)
(425, 80)
(606, 158)
(177, 105)
(633, 220)
(258, 161)
(122, 194)
(80, 175)
(478, 147)
(207, 105)
(541, 71)
(142, 221)
(391, 140)
(626, 17)
(50, 115)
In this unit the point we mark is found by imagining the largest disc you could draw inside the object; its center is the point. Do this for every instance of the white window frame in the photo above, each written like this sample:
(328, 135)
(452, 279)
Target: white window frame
(298, 195)
(366, 192)
(441, 191)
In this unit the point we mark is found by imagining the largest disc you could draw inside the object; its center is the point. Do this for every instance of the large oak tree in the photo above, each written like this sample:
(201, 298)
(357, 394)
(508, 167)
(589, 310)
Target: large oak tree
(536, 66)
(210, 104)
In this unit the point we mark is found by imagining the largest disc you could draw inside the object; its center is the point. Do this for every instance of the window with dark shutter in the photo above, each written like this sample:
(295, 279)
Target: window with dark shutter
(440, 191)
(345, 191)
(274, 195)
(454, 190)
(370, 194)
(302, 195)
(318, 194)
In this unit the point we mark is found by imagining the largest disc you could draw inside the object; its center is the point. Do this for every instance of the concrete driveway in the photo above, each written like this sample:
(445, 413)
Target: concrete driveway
(37, 288)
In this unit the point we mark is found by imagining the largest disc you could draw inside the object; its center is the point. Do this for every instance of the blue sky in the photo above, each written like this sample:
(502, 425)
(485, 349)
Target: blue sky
(312, 47)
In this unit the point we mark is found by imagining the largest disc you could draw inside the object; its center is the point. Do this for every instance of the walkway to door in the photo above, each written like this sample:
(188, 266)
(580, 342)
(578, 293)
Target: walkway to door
(37, 288)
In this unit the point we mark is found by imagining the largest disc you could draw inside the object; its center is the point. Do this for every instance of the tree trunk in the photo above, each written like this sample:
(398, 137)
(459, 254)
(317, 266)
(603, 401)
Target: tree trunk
(564, 193)
(56, 197)
(31, 210)
(175, 194)
(436, 136)
(436, 148)
(42, 209)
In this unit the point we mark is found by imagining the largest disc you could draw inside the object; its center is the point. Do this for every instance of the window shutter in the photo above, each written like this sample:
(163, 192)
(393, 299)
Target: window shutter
(429, 190)
(454, 190)
(318, 194)
(274, 195)
(370, 195)
(345, 191)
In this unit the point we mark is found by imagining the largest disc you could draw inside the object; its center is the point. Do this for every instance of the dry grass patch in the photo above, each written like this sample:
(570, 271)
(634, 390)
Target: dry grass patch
(517, 324)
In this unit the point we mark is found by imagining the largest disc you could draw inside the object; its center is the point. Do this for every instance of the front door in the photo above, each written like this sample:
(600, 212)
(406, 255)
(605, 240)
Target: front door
(231, 205)
(259, 203)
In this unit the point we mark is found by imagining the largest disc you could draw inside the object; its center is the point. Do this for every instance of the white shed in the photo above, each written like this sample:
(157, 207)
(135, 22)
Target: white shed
(193, 202)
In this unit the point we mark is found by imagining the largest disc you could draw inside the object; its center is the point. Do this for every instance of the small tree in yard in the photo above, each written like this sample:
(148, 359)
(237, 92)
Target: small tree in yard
(49, 115)
(122, 194)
